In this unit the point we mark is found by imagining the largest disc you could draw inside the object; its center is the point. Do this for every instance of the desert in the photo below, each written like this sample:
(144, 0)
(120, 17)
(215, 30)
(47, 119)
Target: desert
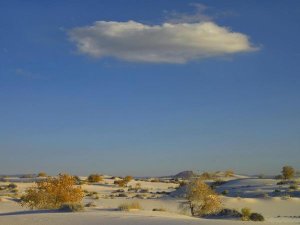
(156, 200)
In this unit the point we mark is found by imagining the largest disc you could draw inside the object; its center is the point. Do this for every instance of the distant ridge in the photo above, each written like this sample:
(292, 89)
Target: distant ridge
(185, 174)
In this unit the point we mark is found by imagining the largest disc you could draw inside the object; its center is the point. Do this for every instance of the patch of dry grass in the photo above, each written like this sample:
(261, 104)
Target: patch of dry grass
(130, 206)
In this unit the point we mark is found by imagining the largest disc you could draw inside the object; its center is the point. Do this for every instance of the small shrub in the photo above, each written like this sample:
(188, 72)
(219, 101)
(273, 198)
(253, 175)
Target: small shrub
(137, 187)
(293, 187)
(94, 178)
(78, 180)
(265, 195)
(283, 182)
(181, 184)
(119, 191)
(130, 206)
(159, 209)
(155, 180)
(228, 213)
(229, 173)
(42, 174)
(144, 190)
(90, 204)
(286, 197)
(225, 192)
(14, 191)
(140, 196)
(128, 179)
(256, 217)
(89, 194)
(122, 195)
(71, 207)
(218, 182)
(246, 212)
(206, 176)
(121, 183)
(12, 186)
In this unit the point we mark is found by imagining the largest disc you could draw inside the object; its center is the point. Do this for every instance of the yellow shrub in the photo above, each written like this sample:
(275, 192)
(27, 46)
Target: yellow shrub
(128, 178)
(94, 178)
(246, 212)
(52, 193)
(202, 200)
(42, 174)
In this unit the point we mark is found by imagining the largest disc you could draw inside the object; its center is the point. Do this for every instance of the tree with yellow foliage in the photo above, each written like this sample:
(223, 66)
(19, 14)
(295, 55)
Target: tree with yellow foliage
(288, 172)
(202, 200)
(52, 193)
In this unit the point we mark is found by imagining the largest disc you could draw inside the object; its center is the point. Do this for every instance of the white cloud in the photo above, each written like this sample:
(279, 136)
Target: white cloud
(166, 43)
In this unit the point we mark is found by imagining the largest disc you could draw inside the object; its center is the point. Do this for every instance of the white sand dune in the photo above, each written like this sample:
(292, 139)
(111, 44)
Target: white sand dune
(275, 210)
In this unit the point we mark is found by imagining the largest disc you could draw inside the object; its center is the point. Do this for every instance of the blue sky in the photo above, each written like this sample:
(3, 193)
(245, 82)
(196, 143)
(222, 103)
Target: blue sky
(143, 101)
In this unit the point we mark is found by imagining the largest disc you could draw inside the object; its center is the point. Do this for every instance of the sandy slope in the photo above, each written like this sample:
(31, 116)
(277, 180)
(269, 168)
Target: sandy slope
(105, 213)
(118, 218)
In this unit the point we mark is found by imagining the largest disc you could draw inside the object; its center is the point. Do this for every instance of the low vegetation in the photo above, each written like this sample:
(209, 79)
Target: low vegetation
(247, 215)
(256, 217)
(228, 213)
(130, 206)
(128, 179)
(12, 186)
(246, 212)
(225, 192)
(121, 183)
(90, 204)
(71, 207)
(229, 173)
(95, 178)
(159, 209)
(42, 174)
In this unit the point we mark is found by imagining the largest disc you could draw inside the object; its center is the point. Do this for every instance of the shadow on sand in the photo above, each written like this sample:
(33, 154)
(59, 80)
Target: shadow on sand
(28, 212)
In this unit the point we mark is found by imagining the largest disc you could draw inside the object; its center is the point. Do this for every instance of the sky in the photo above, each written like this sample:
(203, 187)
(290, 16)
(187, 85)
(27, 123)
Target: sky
(149, 88)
